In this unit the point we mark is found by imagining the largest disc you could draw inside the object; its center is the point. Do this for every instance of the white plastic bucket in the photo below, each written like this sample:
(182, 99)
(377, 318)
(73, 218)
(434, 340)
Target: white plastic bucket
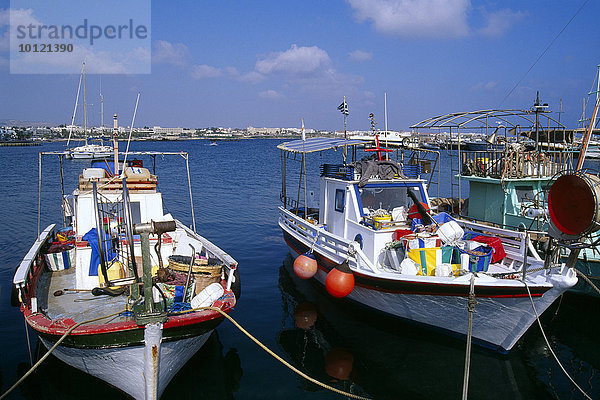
(450, 232)
(208, 296)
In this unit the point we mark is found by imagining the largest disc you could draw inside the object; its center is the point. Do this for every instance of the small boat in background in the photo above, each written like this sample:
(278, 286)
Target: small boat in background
(88, 150)
(120, 291)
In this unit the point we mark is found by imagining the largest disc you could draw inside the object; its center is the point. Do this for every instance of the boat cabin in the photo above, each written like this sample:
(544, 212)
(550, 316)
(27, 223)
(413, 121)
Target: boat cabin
(369, 213)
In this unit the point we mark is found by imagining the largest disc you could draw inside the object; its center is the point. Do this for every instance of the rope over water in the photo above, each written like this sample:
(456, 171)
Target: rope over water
(234, 322)
(51, 349)
(537, 317)
(471, 309)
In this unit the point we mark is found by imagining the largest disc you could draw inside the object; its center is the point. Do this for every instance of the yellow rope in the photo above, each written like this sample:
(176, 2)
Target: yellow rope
(234, 322)
(277, 357)
(585, 278)
(58, 342)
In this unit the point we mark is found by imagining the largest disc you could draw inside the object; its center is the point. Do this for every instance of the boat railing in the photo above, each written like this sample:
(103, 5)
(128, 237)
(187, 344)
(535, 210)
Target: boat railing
(517, 244)
(313, 234)
(25, 270)
(514, 164)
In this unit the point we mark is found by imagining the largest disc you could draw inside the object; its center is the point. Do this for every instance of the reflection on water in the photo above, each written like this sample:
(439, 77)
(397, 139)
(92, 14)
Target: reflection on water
(385, 358)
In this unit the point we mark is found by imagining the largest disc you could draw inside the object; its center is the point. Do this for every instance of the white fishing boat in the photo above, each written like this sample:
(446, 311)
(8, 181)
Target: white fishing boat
(365, 250)
(120, 291)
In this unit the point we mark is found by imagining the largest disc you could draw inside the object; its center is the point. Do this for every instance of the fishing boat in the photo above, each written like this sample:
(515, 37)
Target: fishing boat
(508, 187)
(121, 290)
(363, 242)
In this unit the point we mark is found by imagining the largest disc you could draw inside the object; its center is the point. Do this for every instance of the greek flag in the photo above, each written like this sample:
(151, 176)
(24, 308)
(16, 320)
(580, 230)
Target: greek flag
(343, 107)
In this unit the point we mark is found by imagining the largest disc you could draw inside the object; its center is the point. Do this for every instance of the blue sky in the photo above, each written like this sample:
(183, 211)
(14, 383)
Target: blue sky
(270, 63)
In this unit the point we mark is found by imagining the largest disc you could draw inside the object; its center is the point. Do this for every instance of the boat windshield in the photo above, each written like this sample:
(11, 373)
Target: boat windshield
(388, 197)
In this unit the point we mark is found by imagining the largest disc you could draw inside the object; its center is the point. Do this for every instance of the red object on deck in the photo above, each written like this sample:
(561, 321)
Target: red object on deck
(495, 243)
(414, 213)
(399, 233)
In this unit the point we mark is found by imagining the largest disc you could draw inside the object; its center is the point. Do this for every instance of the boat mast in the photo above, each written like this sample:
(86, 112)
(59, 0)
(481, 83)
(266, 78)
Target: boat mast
(84, 108)
(385, 117)
(101, 114)
(75, 109)
(115, 145)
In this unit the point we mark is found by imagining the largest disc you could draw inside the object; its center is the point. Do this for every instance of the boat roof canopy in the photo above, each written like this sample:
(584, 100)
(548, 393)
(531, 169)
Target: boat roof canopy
(511, 118)
(317, 144)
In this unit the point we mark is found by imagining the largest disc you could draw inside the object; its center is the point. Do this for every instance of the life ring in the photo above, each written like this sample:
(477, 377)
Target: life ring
(405, 142)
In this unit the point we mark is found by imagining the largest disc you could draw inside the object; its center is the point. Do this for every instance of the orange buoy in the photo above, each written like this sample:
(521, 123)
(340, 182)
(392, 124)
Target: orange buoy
(340, 280)
(339, 363)
(305, 266)
(305, 316)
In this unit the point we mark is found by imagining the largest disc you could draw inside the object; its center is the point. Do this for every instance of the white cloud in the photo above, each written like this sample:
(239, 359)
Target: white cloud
(168, 53)
(485, 85)
(4, 17)
(250, 77)
(415, 18)
(205, 72)
(295, 61)
(270, 94)
(501, 21)
(360, 56)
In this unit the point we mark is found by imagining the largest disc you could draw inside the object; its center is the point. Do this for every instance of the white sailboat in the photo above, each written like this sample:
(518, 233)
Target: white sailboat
(88, 150)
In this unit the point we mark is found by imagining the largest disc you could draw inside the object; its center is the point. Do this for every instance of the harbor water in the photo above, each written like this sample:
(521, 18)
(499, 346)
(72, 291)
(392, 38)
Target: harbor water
(236, 187)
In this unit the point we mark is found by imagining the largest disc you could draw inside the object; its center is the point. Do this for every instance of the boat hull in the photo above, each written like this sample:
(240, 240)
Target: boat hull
(123, 367)
(502, 314)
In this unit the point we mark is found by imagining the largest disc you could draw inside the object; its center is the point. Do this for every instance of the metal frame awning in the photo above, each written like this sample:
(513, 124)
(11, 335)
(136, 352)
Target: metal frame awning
(511, 118)
(318, 144)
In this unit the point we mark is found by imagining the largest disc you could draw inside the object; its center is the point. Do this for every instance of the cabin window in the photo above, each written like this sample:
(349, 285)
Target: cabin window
(339, 200)
(524, 193)
(386, 198)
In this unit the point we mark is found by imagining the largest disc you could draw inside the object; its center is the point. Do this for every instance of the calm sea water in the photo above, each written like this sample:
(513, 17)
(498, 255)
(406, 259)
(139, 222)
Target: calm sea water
(236, 188)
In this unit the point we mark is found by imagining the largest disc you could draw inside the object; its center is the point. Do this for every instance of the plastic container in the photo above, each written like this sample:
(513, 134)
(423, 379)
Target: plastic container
(450, 232)
(476, 260)
(94, 173)
(444, 270)
(399, 214)
(208, 296)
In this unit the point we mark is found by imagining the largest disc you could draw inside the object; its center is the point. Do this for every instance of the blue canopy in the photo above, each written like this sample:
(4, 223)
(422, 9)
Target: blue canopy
(317, 144)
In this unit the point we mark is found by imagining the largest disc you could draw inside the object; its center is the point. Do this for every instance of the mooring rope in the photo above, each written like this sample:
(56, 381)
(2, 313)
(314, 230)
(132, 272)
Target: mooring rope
(471, 309)
(588, 280)
(537, 317)
(234, 322)
(277, 357)
(51, 349)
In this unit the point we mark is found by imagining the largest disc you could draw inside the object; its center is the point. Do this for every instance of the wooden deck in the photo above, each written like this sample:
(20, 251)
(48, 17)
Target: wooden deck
(79, 306)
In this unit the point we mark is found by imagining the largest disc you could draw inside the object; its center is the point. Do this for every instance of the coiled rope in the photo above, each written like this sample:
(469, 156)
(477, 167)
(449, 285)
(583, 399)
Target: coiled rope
(537, 317)
(51, 349)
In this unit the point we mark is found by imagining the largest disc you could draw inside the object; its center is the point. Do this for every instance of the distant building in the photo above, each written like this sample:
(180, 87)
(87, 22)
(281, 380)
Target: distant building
(167, 131)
